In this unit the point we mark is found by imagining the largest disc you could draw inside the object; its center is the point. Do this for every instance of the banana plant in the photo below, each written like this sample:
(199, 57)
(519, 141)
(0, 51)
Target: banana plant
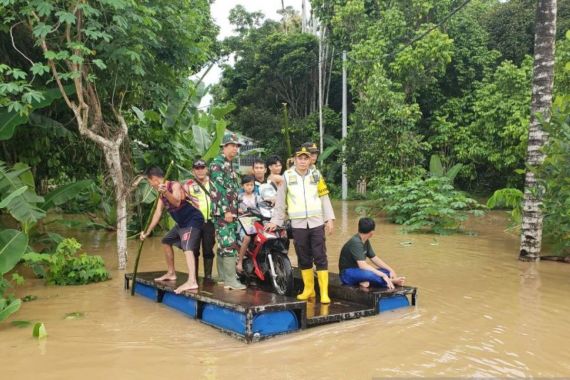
(181, 125)
(25, 206)
(13, 244)
(19, 198)
(436, 168)
(333, 145)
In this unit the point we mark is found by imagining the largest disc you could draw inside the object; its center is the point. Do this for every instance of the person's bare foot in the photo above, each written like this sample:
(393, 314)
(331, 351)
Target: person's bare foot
(364, 284)
(166, 277)
(399, 281)
(186, 286)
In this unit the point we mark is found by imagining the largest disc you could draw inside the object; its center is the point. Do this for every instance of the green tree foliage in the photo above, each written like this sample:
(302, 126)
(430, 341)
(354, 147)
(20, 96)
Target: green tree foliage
(388, 76)
(115, 54)
(511, 27)
(487, 129)
(276, 64)
(449, 89)
(135, 53)
(562, 66)
(555, 176)
(393, 151)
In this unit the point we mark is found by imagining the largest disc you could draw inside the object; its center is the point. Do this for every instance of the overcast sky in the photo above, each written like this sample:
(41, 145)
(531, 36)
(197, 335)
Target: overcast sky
(220, 11)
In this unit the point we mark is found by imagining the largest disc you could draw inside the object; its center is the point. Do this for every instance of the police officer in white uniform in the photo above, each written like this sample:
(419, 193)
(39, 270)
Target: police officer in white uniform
(306, 203)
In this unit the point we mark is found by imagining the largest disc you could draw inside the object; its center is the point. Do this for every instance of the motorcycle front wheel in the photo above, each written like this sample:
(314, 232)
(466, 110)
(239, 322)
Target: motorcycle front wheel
(283, 281)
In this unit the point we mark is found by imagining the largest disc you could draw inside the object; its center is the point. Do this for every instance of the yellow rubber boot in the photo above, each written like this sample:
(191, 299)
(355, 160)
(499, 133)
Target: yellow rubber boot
(309, 285)
(323, 276)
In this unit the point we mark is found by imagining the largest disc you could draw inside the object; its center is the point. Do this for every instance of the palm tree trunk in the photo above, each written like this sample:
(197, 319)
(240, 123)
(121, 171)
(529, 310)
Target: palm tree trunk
(541, 103)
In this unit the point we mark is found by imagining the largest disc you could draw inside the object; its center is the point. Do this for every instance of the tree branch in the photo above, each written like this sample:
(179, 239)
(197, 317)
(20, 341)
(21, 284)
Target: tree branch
(55, 73)
(14, 43)
(123, 131)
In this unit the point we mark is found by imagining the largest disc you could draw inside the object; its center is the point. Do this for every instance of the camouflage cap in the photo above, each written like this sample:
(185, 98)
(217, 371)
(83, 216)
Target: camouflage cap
(311, 147)
(230, 138)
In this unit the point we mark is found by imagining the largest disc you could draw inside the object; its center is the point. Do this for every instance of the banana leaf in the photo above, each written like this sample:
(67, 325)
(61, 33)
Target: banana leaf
(13, 244)
(9, 120)
(215, 147)
(6, 201)
(6, 309)
(65, 193)
(24, 207)
(435, 166)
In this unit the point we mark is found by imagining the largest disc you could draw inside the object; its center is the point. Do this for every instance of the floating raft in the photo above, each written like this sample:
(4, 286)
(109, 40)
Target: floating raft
(255, 314)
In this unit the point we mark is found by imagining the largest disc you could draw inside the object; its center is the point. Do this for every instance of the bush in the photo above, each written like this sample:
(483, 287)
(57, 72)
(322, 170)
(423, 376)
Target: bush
(430, 204)
(555, 177)
(66, 267)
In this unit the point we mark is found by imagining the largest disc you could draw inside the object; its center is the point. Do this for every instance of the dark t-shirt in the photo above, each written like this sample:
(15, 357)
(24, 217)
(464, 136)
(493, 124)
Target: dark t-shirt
(354, 250)
(185, 215)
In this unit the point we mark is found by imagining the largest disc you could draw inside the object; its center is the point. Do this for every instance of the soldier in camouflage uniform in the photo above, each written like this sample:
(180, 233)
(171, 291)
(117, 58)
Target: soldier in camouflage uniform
(225, 208)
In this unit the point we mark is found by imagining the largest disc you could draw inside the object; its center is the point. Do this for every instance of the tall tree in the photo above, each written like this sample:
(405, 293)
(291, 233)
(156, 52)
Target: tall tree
(106, 56)
(541, 104)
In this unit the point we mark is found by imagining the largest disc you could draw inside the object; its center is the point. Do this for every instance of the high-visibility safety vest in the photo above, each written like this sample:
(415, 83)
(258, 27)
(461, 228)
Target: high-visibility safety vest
(303, 199)
(200, 196)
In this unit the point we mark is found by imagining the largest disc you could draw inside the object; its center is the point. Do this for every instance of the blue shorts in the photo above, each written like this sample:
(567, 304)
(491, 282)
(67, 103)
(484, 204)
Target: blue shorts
(354, 276)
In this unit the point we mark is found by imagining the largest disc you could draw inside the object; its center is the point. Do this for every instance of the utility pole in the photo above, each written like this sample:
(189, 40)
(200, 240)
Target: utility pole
(344, 127)
(303, 17)
(284, 18)
(321, 129)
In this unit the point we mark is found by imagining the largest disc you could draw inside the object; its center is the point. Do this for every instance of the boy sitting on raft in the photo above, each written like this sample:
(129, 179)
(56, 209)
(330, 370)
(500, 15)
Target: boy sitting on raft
(354, 270)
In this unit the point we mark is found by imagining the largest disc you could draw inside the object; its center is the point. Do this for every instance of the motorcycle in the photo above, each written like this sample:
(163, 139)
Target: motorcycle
(266, 257)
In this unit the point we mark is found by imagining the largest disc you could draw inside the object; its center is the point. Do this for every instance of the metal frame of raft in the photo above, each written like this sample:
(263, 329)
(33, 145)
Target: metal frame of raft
(254, 314)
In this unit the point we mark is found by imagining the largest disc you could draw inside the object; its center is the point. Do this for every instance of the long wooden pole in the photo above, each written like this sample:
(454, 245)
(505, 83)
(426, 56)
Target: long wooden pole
(321, 129)
(286, 131)
(149, 220)
(344, 127)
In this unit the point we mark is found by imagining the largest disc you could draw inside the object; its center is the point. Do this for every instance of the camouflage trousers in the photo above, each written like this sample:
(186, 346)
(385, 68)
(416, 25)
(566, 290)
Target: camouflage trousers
(226, 237)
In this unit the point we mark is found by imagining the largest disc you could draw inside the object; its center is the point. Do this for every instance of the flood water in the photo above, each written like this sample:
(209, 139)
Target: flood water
(480, 313)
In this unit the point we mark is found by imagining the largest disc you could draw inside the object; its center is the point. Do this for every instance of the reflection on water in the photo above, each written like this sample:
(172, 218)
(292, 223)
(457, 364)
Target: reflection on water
(480, 313)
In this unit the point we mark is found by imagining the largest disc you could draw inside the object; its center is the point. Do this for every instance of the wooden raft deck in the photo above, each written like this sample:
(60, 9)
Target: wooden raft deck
(255, 314)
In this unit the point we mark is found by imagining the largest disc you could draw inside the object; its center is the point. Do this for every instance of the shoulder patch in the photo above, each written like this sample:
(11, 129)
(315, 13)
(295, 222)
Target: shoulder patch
(322, 188)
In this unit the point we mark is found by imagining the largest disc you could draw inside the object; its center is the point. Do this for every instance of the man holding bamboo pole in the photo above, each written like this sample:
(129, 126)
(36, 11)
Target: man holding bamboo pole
(189, 222)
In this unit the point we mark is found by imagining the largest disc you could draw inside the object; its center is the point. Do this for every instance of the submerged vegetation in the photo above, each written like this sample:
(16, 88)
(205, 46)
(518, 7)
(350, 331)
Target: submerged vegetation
(66, 267)
(430, 204)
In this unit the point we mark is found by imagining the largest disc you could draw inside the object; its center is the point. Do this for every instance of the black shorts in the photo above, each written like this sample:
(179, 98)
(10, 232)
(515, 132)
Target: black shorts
(184, 238)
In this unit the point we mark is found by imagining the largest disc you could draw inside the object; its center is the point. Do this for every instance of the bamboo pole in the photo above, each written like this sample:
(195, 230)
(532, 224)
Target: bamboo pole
(148, 221)
(286, 131)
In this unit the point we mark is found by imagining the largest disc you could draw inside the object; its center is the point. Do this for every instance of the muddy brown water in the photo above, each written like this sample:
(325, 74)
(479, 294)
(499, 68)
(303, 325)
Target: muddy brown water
(480, 313)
